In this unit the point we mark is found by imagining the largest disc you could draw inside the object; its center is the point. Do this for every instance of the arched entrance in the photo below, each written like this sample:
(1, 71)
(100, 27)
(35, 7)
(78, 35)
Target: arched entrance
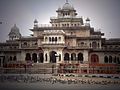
(66, 57)
(52, 57)
(28, 57)
(80, 57)
(34, 57)
(94, 58)
(106, 59)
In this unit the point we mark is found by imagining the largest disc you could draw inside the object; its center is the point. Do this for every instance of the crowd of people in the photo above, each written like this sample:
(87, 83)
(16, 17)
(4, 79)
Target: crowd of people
(29, 78)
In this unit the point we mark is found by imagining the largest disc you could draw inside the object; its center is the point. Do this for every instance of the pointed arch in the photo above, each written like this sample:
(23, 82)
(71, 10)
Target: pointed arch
(34, 57)
(53, 57)
(94, 58)
(106, 59)
(28, 57)
(66, 57)
(80, 57)
(41, 57)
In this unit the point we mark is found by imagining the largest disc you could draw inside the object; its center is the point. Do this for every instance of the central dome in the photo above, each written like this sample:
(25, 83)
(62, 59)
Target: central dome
(67, 6)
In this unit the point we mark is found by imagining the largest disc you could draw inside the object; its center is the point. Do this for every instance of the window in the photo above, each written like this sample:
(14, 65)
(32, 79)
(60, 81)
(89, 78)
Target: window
(50, 39)
(55, 39)
(66, 56)
(106, 59)
(82, 43)
(110, 59)
(94, 45)
(59, 38)
(25, 43)
(94, 58)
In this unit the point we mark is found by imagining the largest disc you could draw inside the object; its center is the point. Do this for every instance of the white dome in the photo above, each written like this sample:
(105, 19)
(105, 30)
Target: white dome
(67, 6)
(15, 30)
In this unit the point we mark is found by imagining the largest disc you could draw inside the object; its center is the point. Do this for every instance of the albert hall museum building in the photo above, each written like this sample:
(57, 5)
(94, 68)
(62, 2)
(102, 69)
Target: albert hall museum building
(67, 45)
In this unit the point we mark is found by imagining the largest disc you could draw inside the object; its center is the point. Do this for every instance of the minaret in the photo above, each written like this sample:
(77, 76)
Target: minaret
(87, 22)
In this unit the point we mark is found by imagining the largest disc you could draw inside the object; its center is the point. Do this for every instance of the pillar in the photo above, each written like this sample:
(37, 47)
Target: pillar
(85, 56)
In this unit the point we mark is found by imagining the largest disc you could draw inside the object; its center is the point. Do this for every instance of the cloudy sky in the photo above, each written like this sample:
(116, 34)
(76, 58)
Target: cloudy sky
(104, 14)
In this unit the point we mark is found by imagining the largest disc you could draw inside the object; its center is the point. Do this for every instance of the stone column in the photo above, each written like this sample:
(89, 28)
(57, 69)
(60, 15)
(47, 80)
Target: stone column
(85, 56)
(46, 57)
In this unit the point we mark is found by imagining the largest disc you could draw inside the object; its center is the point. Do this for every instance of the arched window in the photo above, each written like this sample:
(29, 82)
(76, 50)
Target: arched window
(41, 57)
(50, 39)
(28, 57)
(106, 59)
(110, 59)
(52, 57)
(94, 45)
(25, 43)
(66, 57)
(82, 43)
(80, 57)
(34, 57)
(55, 39)
(73, 56)
(59, 38)
(94, 58)
(14, 58)
(10, 58)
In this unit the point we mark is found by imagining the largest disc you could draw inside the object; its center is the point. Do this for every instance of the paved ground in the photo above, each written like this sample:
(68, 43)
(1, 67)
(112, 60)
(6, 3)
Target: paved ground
(55, 86)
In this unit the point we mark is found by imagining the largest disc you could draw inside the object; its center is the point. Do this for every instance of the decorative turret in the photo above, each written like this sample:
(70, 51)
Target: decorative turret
(14, 33)
(87, 22)
(35, 23)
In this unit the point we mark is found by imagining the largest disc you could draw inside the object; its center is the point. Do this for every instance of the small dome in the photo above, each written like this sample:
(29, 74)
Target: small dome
(67, 6)
(87, 19)
(15, 30)
(35, 21)
(59, 8)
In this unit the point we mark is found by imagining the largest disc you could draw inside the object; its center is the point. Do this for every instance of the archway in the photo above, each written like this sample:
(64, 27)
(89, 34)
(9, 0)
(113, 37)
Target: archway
(80, 57)
(41, 57)
(106, 59)
(34, 57)
(28, 57)
(94, 58)
(110, 59)
(52, 57)
(14, 58)
(66, 56)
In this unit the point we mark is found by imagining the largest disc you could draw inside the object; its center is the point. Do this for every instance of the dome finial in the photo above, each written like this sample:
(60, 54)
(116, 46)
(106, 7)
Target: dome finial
(66, 1)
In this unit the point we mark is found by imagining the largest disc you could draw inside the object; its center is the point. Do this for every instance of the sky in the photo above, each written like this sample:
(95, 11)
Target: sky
(104, 14)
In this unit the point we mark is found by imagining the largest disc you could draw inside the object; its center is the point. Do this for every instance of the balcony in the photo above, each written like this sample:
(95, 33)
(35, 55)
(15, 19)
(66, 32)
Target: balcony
(29, 47)
(78, 47)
